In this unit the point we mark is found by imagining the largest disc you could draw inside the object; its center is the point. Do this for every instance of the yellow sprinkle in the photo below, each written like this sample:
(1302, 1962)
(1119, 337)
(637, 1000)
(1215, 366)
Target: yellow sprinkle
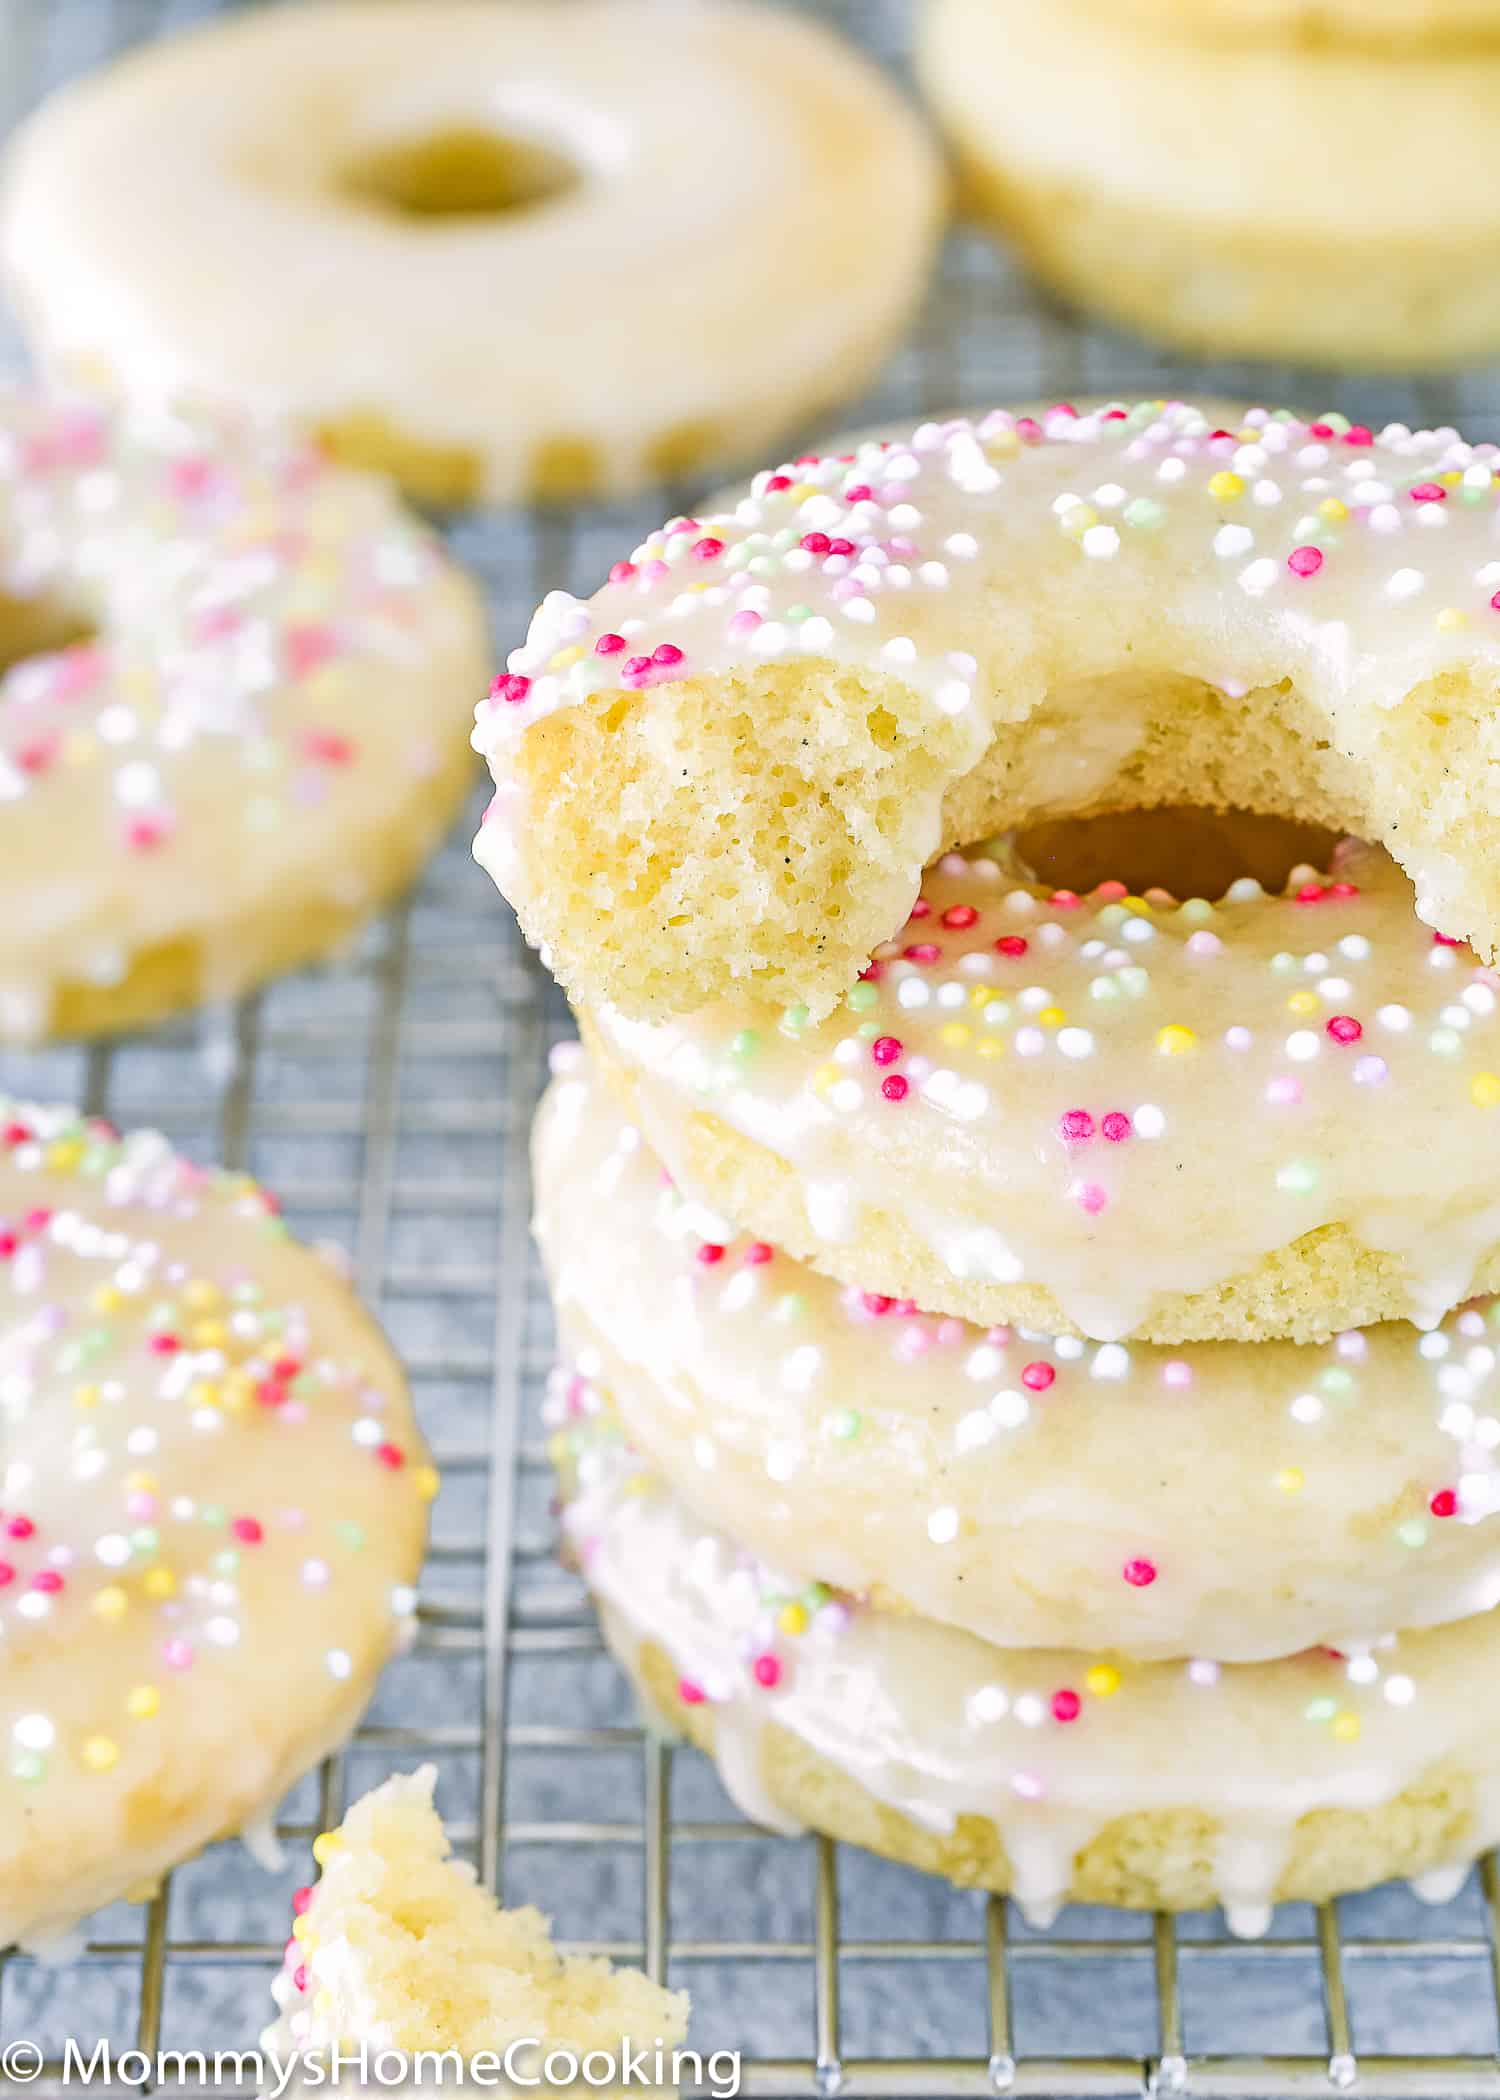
(99, 1753)
(1136, 904)
(85, 1396)
(200, 1294)
(1103, 1680)
(1450, 619)
(111, 1602)
(792, 1618)
(426, 1480)
(65, 1154)
(954, 1034)
(564, 659)
(107, 1299)
(1302, 1003)
(143, 1703)
(1077, 518)
(1002, 444)
(209, 1334)
(1346, 1726)
(1052, 1017)
(1290, 1480)
(159, 1583)
(302, 1929)
(1452, 477)
(205, 1394)
(1224, 487)
(991, 1046)
(827, 1075)
(1484, 1089)
(983, 995)
(323, 2004)
(1175, 1041)
(1333, 510)
(802, 490)
(325, 1845)
(140, 1483)
(636, 1484)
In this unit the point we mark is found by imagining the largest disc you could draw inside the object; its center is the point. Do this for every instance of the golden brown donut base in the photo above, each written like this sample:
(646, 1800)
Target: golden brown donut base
(1318, 1286)
(1150, 1860)
(1260, 290)
(287, 933)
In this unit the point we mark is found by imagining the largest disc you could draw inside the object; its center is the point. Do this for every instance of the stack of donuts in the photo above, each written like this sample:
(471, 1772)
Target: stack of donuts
(1030, 1402)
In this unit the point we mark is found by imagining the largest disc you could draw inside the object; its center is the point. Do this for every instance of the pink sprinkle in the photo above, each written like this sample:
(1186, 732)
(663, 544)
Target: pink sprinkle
(1305, 561)
(959, 916)
(1311, 893)
(609, 645)
(922, 952)
(666, 653)
(894, 1087)
(1036, 1377)
(777, 483)
(1111, 891)
(709, 1253)
(689, 1693)
(1116, 1126)
(816, 543)
(248, 1529)
(1090, 1197)
(622, 572)
(1444, 1503)
(21, 1528)
(885, 1049)
(307, 647)
(920, 910)
(7, 1574)
(743, 623)
(757, 1252)
(1428, 492)
(1345, 1029)
(708, 548)
(177, 1654)
(510, 687)
(1359, 434)
(300, 1900)
(145, 834)
(861, 492)
(1446, 940)
(1140, 1574)
(1065, 900)
(327, 748)
(1177, 1373)
(49, 1581)
(1010, 944)
(1066, 1705)
(1028, 430)
(1284, 1091)
(876, 1302)
(767, 1671)
(1076, 1126)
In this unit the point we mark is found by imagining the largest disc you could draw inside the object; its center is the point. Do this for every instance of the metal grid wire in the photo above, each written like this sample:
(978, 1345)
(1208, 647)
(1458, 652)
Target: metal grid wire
(387, 1100)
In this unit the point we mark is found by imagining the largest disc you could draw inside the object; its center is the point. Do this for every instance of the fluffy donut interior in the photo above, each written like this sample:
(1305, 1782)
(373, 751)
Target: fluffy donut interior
(779, 818)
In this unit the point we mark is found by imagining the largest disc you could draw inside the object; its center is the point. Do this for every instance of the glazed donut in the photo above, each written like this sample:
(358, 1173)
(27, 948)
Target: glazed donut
(1054, 1775)
(234, 715)
(728, 768)
(215, 1502)
(399, 1947)
(498, 252)
(1006, 1482)
(1112, 1114)
(1318, 223)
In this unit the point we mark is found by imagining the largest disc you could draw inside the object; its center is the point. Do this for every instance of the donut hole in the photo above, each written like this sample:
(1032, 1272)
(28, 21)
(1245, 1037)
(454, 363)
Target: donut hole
(461, 172)
(40, 627)
(1185, 852)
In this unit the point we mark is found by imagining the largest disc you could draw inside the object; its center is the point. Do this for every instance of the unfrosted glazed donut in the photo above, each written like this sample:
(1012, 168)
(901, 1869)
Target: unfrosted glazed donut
(397, 1946)
(500, 252)
(233, 714)
(727, 769)
(1112, 1114)
(1229, 1500)
(1318, 222)
(1054, 1774)
(214, 1505)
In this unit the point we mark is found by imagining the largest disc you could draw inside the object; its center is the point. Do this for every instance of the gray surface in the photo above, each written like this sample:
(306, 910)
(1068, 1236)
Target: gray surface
(387, 1102)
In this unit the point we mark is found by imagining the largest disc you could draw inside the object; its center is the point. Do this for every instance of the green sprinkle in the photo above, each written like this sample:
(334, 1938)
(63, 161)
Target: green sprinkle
(1320, 1709)
(794, 1020)
(844, 1425)
(861, 997)
(1413, 1532)
(788, 1307)
(351, 1535)
(1143, 513)
(744, 1043)
(1284, 964)
(1299, 1177)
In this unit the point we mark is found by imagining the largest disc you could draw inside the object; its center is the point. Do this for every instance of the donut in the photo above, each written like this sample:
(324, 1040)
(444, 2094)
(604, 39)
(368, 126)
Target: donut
(1052, 1774)
(397, 1946)
(727, 769)
(235, 700)
(1013, 1484)
(1112, 1114)
(501, 253)
(214, 1506)
(1318, 224)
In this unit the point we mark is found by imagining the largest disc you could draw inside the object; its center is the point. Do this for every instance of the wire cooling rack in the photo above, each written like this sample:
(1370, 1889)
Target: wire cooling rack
(388, 1100)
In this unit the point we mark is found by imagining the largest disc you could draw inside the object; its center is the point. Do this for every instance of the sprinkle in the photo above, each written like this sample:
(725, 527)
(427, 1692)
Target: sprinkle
(1140, 1574)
